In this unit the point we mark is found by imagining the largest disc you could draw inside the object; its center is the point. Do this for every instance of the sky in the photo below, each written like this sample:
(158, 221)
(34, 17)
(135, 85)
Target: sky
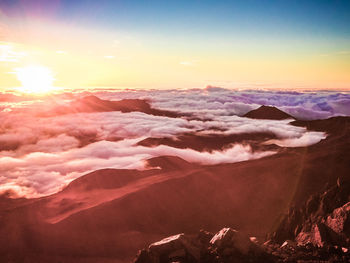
(177, 44)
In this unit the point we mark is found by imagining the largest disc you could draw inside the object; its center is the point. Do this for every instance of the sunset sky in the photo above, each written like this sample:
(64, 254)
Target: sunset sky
(175, 44)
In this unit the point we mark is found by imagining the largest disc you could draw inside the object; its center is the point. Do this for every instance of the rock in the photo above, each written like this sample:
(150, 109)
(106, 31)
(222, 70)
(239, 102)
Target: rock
(143, 257)
(167, 244)
(180, 253)
(228, 245)
(288, 243)
(322, 219)
(180, 247)
(228, 237)
(318, 236)
(329, 230)
(289, 226)
(339, 220)
(317, 230)
(254, 240)
(174, 247)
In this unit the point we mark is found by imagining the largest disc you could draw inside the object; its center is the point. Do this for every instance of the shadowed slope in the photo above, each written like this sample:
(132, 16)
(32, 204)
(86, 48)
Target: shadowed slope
(208, 142)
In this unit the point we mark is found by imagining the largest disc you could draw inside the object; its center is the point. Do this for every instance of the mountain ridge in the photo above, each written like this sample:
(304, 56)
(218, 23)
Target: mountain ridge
(93, 103)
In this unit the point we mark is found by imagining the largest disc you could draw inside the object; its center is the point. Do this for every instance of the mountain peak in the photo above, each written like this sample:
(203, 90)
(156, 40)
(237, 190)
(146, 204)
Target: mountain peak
(269, 113)
(90, 98)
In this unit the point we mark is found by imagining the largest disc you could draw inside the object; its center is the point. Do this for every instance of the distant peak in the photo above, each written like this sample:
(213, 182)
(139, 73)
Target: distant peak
(91, 98)
(269, 113)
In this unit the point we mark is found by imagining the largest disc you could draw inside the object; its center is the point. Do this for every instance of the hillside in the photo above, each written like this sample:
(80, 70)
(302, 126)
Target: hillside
(112, 213)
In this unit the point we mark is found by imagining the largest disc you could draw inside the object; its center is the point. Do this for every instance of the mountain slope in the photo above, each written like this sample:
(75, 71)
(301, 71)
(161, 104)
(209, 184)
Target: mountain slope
(110, 214)
(268, 112)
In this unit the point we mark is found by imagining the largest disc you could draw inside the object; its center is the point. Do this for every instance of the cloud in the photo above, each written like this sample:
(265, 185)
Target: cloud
(341, 106)
(189, 63)
(306, 139)
(24, 133)
(40, 173)
(220, 101)
(8, 54)
(39, 156)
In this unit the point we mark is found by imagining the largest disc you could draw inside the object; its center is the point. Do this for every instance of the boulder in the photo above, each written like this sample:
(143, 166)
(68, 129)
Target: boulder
(228, 245)
(329, 230)
(230, 238)
(339, 220)
(288, 244)
(318, 236)
(179, 247)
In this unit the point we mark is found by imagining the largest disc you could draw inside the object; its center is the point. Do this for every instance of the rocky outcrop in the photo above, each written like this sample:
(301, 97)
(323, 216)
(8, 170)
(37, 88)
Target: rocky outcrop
(228, 245)
(187, 248)
(339, 220)
(317, 231)
(330, 230)
(290, 251)
(324, 218)
(318, 236)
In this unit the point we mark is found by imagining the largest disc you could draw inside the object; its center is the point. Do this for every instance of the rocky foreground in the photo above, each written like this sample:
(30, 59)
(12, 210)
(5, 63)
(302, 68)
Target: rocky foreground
(229, 245)
(314, 228)
(322, 237)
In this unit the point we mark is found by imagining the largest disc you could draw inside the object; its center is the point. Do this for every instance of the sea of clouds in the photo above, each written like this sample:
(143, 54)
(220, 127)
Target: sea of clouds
(210, 101)
(40, 155)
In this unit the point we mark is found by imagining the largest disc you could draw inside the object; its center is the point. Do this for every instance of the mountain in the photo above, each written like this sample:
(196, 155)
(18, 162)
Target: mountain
(94, 104)
(108, 215)
(208, 142)
(268, 112)
(314, 228)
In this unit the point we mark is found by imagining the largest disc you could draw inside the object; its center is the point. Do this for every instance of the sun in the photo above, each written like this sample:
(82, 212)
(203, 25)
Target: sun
(35, 79)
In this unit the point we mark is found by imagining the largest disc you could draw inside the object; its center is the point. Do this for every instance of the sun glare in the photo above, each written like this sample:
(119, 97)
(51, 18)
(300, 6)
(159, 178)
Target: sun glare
(35, 79)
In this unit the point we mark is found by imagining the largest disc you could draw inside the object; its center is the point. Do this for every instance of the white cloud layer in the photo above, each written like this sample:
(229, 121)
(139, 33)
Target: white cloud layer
(38, 156)
(306, 139)
(214, 101)
(45, 173)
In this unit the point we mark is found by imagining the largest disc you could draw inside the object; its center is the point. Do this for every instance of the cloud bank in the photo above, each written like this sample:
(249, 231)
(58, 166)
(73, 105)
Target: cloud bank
(40, 155)
(40, 173)
(214, 101)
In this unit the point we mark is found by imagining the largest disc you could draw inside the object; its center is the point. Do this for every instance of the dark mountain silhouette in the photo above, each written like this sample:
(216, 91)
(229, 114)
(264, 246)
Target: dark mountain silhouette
(209, 142)
(268, 112)
(334, 126)
(94, 104)
(108, 215)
